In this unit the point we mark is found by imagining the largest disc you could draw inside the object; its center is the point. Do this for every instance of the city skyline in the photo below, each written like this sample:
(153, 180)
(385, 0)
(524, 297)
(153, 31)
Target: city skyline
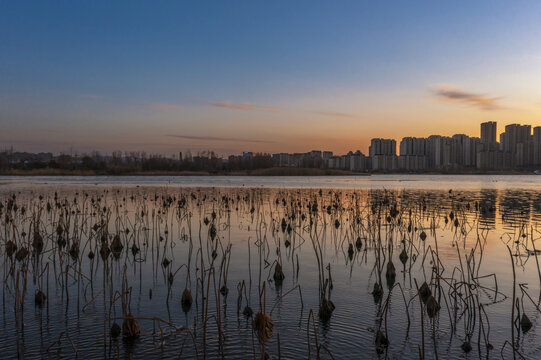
(266, 77)
(518, 148)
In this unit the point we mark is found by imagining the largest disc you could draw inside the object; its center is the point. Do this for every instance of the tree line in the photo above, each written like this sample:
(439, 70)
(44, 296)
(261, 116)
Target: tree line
(133, 162)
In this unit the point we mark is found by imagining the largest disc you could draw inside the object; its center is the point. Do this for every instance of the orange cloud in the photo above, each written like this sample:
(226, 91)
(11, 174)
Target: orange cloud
(459, 96)
(336, 114)
(215, 138)
(244, 107)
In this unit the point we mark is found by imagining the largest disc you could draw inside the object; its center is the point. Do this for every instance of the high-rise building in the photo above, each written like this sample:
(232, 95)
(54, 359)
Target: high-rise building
(438, 151)
(317, 154)
(536, 140)
(516, 143)
(383, 154)
(488, 134)
(444, 156)
(458, 148)
(357, 161)
(412, 154)
(471, 146)
(489, 156)
(413, 146)
(382, 147)
(517, 148)
(327, 155)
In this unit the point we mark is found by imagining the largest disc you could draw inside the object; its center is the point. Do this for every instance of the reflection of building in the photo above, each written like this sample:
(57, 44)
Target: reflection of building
(514, 207)
(536, 205)
(487, 208)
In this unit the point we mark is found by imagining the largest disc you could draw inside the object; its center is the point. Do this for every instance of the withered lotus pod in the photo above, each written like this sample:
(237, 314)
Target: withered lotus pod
(403, 256)
(432, 306)
(381, 342)
(40, 298)
(425, 292)
(115, 330)
(21, 254)
(263, 327)
(186, 300)
(116, 246)
(326, 309)
(37, 243)
(11, 247)
(130, 328)
(278, 274)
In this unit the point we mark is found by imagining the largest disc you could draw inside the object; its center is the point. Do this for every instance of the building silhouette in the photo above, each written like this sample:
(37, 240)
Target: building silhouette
(383, 154)
(536, 140)
(488, 134)
(518, 149)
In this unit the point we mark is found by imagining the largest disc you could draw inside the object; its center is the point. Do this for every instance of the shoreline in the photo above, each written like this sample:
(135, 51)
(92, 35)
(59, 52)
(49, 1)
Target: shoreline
(275, 171)
(258, 172)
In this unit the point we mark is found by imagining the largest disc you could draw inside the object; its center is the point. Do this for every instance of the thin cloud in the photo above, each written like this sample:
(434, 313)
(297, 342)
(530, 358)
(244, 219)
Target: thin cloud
(90, 96)
(164, 106)
(244, 107)
(480, 101)
(336, 114)
(215, 138)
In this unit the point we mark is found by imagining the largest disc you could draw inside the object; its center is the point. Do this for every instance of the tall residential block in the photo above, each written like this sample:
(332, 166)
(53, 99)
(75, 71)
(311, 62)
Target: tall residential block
(488, 134)
(536, 140)
(383, 154)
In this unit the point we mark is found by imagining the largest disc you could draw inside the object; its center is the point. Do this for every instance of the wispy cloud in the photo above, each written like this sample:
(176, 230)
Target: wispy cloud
(456, 95)
(215, 138)
(336, 114)
(164, 106)
(246, 106)
(90, 96)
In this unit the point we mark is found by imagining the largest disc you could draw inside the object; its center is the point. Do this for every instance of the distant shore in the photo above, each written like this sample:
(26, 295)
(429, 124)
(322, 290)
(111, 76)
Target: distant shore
(274, 171)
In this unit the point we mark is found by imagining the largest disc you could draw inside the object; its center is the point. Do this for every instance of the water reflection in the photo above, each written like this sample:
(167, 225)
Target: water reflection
(244, 272)
(487, 208)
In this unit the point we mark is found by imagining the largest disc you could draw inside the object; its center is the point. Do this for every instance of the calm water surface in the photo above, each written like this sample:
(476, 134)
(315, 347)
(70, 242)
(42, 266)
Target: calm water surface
(423, 182)
(231, 231)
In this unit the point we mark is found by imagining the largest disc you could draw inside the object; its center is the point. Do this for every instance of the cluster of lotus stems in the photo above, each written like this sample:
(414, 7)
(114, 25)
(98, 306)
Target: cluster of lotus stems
(78, 238)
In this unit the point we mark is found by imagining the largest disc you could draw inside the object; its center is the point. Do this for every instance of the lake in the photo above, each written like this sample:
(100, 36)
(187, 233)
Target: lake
(432, 182)
(381, 266)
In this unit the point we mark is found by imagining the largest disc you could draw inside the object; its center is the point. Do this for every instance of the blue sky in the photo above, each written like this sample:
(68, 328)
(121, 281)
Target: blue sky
(261, 75)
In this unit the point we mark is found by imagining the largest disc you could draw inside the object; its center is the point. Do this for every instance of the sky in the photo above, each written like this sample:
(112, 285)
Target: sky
(269, 76)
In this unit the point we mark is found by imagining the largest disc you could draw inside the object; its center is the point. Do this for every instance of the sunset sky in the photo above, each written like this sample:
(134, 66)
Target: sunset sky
(273, 76)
